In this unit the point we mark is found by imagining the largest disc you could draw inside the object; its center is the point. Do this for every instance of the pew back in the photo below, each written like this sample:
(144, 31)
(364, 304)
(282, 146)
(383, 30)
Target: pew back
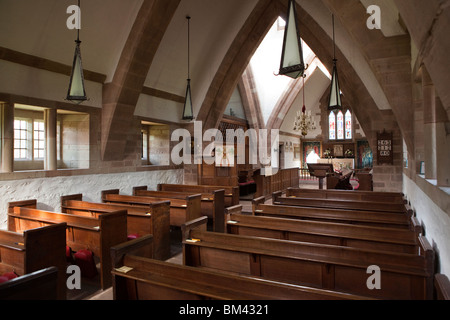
(383, 239)
(155, 280)
(231, 193)
(353, 195)
(95, 234)
(212, 203)
(181, 210)
(38, 285)
(154, 219)
(358, 217)
(342, 269)
(400, 208)
(26, 250)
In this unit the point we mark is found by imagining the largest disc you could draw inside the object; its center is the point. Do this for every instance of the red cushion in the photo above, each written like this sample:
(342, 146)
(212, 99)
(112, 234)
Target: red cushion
(85, 260)
(10, 275)
(133, 236)
(3, 279)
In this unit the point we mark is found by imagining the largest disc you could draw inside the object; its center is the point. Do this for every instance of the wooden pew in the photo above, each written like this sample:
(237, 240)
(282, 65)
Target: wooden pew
(369, 218)
(156, 280)
(95, 234)
(342, 269)
(26, 250)
(442, 285)
(353, 195)
(153, 219)
(231, 193)
(400, 208)
(38, 285)
(181, 210)
(339, 234)
(212, 203)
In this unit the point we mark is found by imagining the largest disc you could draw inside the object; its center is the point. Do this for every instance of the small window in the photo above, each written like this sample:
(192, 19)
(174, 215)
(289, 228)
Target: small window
(21, 141)
(39, 140)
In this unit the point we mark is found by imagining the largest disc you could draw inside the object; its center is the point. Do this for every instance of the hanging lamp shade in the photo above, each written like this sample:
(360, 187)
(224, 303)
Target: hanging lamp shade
(77, 91)
(292, 63)
(188, 113)
(335, 102)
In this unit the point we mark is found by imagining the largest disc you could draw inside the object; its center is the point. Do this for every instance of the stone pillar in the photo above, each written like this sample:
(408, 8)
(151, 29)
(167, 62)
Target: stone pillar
(50, 118)
(429, 118)
(7, 137)
(443, 146)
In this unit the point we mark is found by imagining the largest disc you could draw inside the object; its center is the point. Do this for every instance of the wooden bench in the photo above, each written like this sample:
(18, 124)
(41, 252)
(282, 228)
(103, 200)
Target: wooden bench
(181, 210)
(154, 219)
(353, 195)
(37, 285)
(26, 250)
(339, 234)
(156, 280)
(212, 203)
(342, 269)
(362, 217)
(95, 234)
(442, 285)
(231, 193)
(400, 208)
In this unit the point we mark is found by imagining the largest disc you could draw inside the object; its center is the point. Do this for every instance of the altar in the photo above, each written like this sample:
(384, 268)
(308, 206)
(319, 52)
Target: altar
(339, 164)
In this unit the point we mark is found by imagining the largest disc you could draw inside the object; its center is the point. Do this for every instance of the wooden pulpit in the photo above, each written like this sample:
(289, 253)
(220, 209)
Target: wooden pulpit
(320, 171)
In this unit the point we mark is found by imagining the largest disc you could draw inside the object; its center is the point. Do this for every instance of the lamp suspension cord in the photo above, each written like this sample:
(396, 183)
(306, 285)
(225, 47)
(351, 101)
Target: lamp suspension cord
(79, 17)
(189, 46)
(334, 39)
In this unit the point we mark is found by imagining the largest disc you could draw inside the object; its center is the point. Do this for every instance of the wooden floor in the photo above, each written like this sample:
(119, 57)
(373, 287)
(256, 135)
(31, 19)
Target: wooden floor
(91, 291)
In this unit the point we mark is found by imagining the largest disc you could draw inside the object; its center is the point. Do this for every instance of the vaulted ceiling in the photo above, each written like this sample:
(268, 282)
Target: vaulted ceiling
(135, 56)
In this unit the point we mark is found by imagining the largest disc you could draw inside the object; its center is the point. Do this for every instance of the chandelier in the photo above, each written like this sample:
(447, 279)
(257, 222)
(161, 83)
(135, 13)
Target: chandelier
(304, 122)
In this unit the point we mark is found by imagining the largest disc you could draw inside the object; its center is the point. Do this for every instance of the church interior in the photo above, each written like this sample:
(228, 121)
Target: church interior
(295, 148)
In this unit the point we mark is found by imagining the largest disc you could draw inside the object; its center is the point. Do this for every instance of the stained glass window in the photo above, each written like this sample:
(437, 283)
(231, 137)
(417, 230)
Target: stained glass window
(332, 126)
(340, 126)
(348, 125)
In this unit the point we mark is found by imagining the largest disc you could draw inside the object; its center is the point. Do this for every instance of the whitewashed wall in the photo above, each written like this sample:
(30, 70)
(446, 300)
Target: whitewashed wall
(436, 222)
(47, 191)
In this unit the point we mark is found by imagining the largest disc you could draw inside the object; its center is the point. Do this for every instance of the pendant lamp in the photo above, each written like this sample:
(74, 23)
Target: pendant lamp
(292, 63)
(335, 102)
(188, 113)
(77, 91)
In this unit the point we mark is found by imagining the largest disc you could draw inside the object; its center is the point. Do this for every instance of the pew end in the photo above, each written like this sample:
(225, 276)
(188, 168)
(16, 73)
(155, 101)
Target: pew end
(134, 247)
(64, 199)
(442, 286)
(24, 204)
(233, 210)
(38, 285)
(256, 202)
(196, 224)
(139, 188)
(104, 193)
(276, 195)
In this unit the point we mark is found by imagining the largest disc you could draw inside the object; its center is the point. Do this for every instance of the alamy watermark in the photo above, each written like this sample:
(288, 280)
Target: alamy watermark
(374, 21)
(226, 150)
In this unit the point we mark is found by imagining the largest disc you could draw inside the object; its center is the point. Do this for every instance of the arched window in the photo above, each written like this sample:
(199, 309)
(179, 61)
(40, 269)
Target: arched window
(348, 125)
(340, 127)
(332, 126)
